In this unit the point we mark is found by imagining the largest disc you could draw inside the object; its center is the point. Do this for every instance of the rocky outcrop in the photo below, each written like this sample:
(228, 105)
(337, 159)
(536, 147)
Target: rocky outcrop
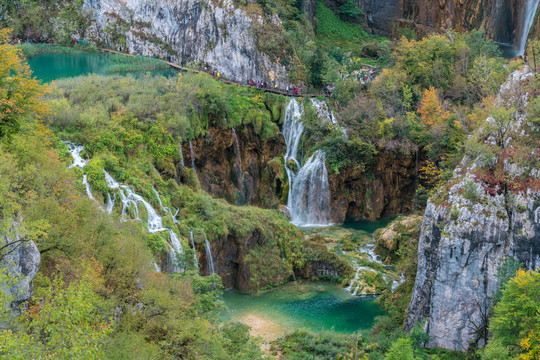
(221, 175)
(20, 260)
(391, 238)
(320, 263)
(467, 233)
(386, 188)
(379, 15)
(220, 35)
(502, 19)
(246, 263)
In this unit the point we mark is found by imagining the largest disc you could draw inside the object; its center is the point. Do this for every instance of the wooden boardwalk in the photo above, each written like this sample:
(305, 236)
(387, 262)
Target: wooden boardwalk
(182, 68)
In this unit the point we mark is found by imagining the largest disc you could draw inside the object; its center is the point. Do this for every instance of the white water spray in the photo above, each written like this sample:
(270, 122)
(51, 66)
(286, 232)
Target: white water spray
(195, 260)
(75, 151)
(192, 156)
(309, 193)
(87, 185)
(209, 259)
(528, 17)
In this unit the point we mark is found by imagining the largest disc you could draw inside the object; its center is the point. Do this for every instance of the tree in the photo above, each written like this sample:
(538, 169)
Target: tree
(430, 110)
(62, 324)
(401, 349)
(19, 93)
(516, 318)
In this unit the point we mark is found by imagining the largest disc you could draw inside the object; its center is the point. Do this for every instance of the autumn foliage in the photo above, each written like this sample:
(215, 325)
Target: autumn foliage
(19, 92)
(430, 109)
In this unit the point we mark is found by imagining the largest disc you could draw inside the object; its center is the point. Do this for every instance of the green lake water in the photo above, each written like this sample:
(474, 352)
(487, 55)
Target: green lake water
(48, 67)
(313, 306)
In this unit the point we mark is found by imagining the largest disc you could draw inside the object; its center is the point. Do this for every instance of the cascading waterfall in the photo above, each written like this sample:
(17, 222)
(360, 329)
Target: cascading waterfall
(209, 259)
(110, 202)
(129, 200)
(166, 209)
(87, 186)
(182, 156)
(75, 151)
(192, 156)
(355, 279)
(195, 260)
(529, 12)
(309, 193)
(323, 111)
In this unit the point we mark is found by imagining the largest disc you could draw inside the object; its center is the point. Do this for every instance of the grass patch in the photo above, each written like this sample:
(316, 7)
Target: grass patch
(122, 63)
(332, 31)
(30, 50)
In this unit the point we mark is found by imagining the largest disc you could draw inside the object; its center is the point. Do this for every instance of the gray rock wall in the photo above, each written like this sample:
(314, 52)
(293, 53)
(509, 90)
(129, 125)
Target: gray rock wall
(463, 240)
(380, 14)
(221, 36)
(21, 262)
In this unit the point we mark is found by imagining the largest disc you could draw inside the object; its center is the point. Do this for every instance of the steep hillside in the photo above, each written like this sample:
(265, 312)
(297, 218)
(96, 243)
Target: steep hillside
(488, 212)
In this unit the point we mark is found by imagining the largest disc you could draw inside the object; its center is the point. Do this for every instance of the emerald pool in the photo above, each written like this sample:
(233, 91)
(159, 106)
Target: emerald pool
(314, 306)
(52, 66)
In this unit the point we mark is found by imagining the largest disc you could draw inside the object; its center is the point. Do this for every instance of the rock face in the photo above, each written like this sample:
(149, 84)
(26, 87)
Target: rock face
(222, 174)
(21, 262)
(464, 238)
(247, 263)
(387, 188)
(379, 15)
(218, 35)
(502, 19)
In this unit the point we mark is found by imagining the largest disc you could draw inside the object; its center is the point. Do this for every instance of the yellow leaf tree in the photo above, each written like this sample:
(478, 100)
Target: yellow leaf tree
(430, 110)
(19, 92)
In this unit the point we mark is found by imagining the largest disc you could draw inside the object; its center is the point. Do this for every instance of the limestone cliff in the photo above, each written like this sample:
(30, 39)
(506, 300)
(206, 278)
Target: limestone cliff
(20, 260)
(220, 35)
(247, 263)
(386, 188)
(467, 232)
(231, 176)
(502, 19)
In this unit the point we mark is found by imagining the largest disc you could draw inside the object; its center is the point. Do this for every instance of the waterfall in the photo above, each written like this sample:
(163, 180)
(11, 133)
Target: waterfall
(309, 193)
(349, 288)
(182, 156)
(323, 111)
(110, 203)
(129, 200)
(195, 260)
(75, 151)
(192, 156)
(310, 197)
(209, 259)
(236, 146)
(529, 12)
(166, 209)
(87, 185)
